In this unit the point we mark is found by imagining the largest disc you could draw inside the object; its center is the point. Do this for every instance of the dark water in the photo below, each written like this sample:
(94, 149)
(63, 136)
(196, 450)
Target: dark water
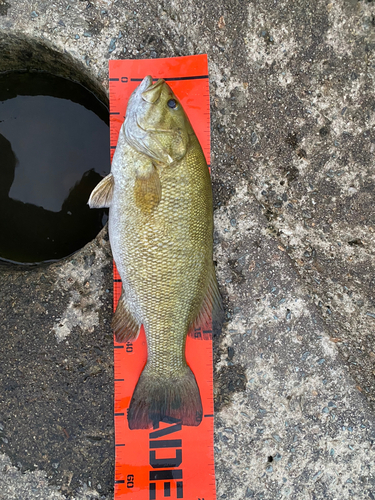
(54, 149)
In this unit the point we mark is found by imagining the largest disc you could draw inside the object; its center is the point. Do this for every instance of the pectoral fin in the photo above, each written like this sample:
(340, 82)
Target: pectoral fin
(211, 314)
(147, 189)
(101, 196)
(124, 325)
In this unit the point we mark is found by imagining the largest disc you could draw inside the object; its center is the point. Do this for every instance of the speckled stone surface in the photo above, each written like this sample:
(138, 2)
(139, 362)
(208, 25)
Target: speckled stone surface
(293, 146)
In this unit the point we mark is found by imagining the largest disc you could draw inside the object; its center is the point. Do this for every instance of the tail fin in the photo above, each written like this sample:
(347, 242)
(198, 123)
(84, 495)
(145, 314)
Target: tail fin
(156, 399)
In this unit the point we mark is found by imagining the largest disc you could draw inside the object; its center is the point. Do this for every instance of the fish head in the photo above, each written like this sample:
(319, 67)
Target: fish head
(156, 123)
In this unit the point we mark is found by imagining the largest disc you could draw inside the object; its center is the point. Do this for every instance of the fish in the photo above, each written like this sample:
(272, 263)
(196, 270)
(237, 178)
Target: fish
(160, 228)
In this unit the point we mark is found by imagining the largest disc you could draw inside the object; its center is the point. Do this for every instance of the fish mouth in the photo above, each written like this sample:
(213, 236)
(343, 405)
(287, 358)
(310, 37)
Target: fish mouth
(151, 92)
(147, 83)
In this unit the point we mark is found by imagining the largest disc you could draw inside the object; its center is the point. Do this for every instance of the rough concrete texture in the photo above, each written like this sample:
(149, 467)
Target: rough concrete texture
(293, 142)
(56, 397)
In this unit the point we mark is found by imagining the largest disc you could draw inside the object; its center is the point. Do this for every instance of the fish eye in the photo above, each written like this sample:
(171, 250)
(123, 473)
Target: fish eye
(172, 103)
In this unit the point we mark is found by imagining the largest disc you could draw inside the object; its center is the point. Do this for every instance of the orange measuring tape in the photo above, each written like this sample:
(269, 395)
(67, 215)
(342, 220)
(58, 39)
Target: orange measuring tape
(171, 461)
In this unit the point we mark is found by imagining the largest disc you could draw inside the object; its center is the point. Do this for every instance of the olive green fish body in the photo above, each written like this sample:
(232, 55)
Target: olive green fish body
(161, 234)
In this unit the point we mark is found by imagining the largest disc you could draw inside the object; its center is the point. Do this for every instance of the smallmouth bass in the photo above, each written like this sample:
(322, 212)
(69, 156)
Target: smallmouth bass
(161, 233)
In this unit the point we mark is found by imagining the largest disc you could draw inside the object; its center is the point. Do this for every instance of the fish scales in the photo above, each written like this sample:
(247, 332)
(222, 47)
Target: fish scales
(173, 259)
(161, 234)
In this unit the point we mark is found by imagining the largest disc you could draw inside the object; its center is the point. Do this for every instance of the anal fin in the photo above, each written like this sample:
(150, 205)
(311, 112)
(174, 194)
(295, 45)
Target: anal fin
(101, 196)
(124, 325)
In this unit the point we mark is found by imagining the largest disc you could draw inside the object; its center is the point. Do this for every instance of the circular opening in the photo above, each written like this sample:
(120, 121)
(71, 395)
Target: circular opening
(54, 149)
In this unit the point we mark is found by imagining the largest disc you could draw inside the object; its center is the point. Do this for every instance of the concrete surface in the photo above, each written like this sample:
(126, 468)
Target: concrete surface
(293, 144)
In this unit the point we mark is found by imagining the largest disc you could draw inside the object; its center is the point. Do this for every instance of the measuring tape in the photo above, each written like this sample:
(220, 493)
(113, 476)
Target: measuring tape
(172, 460)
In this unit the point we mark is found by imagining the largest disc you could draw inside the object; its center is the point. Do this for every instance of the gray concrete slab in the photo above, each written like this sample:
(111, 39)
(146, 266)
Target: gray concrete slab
(293, 142)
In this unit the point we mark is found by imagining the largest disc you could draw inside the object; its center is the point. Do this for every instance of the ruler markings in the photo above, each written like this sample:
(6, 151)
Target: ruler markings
(166, 443)
(157, 475)
(174, 79)
(194, 443)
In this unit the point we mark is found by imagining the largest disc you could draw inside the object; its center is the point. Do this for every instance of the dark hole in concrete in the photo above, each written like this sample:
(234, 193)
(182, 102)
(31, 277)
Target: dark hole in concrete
(54, 149)
(302, 153)
(356, 242)
(324, 131)
(230, 353)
